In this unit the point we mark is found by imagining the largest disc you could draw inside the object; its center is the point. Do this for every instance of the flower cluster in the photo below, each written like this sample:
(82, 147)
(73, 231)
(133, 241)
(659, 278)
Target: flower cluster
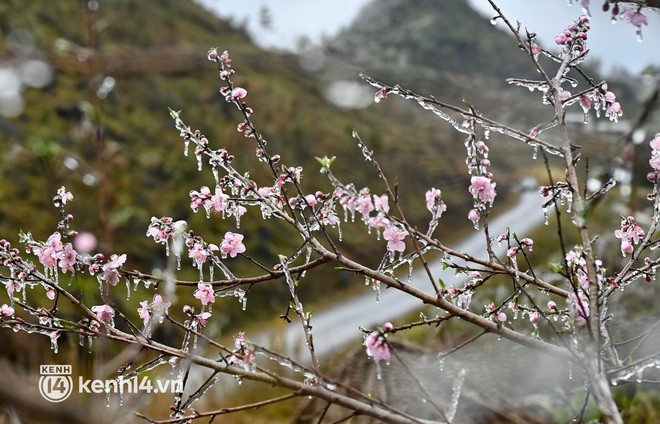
(157, 308)
(111, 269)
(218, 202)
(574, 36)
(495, 314)
(601, 99)
(246, 353)
(482, 187)
(105, 314)
(577, 265)
(54, 253)
(526, 243)
(630, 234)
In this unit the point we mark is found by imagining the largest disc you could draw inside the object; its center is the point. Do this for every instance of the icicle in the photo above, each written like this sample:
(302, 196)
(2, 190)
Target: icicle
(456, 394)
(240, 295)
(210, 272)
(535, 152)
(379, 371)
(308, 256)
(81, 340)
(546, 220)
(128, 289)
(514, 261)
(186, 144)
(216, 175)
(339, 233)
(410, 270)
(199, 160)
(136, 282)
(441, 361)
(89, 344)
(53, 344)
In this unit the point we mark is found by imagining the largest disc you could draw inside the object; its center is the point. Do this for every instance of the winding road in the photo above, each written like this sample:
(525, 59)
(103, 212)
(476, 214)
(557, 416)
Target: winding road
(337, 326)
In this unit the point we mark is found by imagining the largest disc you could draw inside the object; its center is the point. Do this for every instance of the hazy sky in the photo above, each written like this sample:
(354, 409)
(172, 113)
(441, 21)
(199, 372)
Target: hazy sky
(614, 45)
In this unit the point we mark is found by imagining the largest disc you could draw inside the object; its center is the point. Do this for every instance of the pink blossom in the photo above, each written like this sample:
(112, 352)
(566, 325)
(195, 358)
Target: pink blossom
(219, 200)
(47, 256)
(198, 253)
(110, 273)
(378, 221)
(394, 236)
(381, 203)
(67, 258)
(311, 200)
(364, 206)
(630, 234)
(143, 312)
(433, 198)
(552, 305)
(6, 310)
(512, 252)
(203, 318)
(158, 307)
(579, 305)
(212, 54)
(85, 242)
(13, 286)
(105, 313)
(55, 241)
(232, 244)
(238, 93)
(64, 195)
(655, 143)
(586, 101)
(380, 94)
(635, 17)
(534, 317)
(655, 162)
(483, 189)
(239, 340)
(377, 347)
(474, 215)
(50, 294)
(205, 293)
(527, 242)
(614, 111)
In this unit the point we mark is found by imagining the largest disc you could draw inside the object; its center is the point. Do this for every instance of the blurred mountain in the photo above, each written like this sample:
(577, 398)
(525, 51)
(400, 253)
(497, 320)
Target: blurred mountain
(442, 46)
